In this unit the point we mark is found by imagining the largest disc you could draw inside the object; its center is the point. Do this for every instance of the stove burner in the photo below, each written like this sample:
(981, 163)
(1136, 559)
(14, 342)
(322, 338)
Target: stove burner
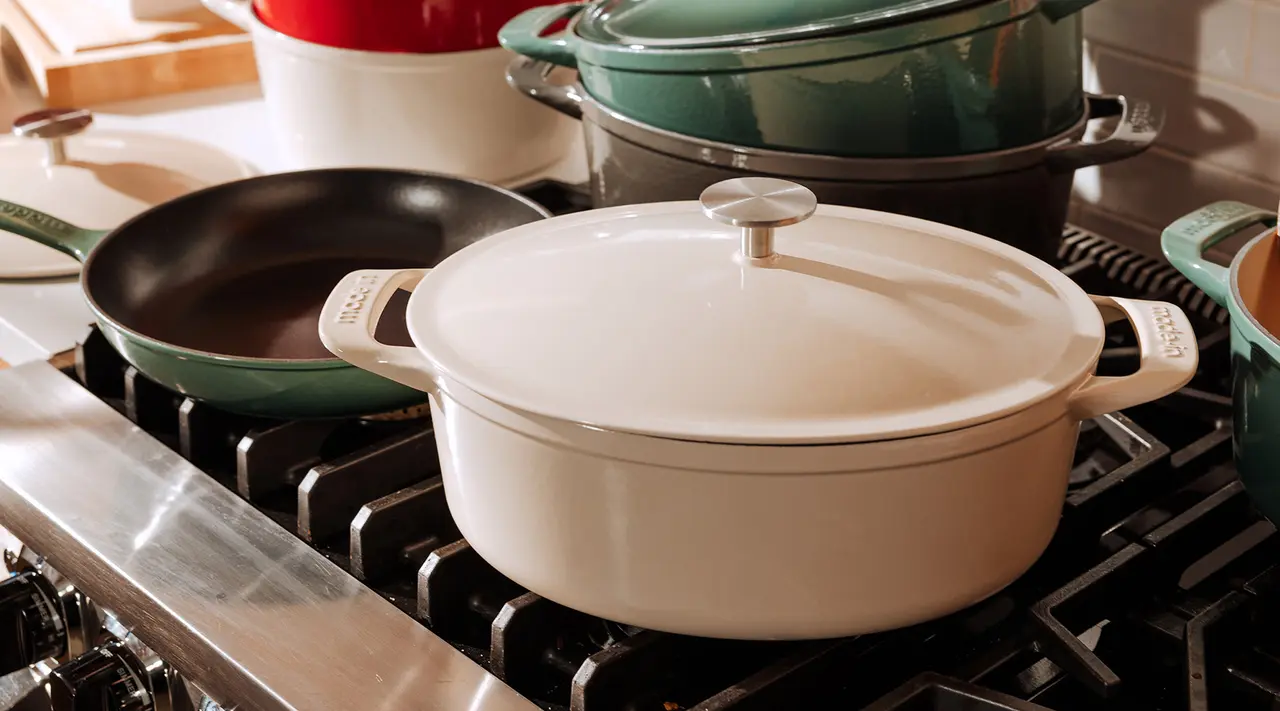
(1159, 591)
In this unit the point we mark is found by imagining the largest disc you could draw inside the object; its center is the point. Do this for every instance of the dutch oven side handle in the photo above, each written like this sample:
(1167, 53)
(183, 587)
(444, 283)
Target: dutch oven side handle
(1139, 126)
(1167, 349)
(350, 317)
(1185, 241)
(529, 77)
(523, 34)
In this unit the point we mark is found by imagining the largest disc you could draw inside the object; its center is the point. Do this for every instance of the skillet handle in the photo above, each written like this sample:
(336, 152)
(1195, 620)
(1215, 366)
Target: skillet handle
(1139, 127)
(49, 230)
(1169, 354)
(351, 314)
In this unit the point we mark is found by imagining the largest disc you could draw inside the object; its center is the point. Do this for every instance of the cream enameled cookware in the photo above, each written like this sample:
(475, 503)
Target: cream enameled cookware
(750, 424)
(95, 179)
(443, 112)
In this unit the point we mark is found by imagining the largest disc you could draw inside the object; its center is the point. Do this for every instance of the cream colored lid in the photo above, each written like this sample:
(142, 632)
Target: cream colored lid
(95, 179)
(849, 326)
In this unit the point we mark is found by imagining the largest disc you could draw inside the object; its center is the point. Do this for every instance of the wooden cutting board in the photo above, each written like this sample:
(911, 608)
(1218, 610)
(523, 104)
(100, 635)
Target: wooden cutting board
(76, 26)
(81, 54)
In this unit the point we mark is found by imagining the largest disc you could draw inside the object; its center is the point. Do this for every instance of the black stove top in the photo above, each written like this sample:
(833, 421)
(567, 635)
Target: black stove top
(1159, 591)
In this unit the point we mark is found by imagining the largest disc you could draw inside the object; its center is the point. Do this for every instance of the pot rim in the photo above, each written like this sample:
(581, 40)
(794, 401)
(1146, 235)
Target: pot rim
(767, 459)
(848, 23)
(1077, 360)
(1238, 301)
(766, 161)
(369, 59)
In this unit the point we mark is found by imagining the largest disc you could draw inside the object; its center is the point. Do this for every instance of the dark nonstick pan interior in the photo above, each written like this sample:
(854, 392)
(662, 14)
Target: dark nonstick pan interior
(243, 269)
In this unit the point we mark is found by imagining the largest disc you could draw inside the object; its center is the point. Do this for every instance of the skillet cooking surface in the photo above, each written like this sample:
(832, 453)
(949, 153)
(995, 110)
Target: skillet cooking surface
(243, 269)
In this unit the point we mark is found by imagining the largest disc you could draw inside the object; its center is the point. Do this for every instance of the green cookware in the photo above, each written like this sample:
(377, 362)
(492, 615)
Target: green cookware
(217, 294)
(1250, 291)
(873, 78)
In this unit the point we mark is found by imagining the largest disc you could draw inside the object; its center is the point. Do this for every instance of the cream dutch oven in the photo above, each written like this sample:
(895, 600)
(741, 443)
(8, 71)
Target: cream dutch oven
(756, 417)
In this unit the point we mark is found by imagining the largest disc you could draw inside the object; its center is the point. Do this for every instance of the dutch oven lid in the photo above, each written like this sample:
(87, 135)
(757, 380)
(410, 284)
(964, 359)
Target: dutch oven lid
(681, 24)
(753, 324)
(95, 179)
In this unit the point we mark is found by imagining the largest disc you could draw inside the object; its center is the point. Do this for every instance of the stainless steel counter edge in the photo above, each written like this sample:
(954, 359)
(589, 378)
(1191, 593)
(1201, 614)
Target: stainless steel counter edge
(237, 603)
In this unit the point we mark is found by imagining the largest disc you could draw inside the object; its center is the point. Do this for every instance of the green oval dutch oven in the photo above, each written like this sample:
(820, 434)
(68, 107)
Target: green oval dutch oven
(1250, 291)
(873, 78)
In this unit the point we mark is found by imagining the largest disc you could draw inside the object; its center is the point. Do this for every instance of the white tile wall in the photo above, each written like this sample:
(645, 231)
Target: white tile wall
(1215, 66)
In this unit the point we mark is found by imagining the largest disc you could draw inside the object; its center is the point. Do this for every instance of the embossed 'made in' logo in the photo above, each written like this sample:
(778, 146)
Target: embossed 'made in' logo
(38, 220)
(1213, 215)
(357, 300)
(1171, 337)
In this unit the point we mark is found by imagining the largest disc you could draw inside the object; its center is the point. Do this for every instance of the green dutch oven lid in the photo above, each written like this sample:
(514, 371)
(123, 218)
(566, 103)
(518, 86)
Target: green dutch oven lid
(730, 35)
(687, 24)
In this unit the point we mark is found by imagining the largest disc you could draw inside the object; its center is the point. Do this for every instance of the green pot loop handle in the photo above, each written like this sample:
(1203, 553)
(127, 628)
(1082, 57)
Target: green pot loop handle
(1058, 9)
(49, 230)
(523, 34)
(1185, 241)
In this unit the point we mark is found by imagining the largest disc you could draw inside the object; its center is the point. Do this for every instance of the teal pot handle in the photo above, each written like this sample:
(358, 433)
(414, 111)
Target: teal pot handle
(1140, 124)
(1058, 9)
(1185, 241)
(49, 230)
(529, 77)
(523, 34)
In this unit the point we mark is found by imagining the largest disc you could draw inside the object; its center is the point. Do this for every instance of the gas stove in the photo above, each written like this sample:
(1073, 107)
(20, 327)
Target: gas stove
(167, 555)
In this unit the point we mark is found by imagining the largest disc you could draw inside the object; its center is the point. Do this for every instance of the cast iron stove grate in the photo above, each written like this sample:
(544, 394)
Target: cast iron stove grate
(1154, 595)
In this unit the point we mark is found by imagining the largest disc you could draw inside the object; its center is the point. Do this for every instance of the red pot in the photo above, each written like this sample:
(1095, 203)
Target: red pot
(393, 25)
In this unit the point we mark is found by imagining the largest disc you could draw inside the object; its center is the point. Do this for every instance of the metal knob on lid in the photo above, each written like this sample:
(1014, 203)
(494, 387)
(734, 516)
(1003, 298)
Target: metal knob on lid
(54, 126)
(758, 206)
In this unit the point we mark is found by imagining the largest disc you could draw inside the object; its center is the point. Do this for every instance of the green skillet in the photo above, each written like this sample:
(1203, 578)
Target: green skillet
(216, 294)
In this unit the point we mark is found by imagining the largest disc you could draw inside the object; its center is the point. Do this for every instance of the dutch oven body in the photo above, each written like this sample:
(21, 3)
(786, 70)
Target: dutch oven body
(1025, 207)
(979, 78)
(651, 417)
(1250, 291)
(1018, 196)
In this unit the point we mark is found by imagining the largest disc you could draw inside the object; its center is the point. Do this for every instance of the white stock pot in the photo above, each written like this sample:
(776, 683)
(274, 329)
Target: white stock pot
(856, 422)
(443, 112)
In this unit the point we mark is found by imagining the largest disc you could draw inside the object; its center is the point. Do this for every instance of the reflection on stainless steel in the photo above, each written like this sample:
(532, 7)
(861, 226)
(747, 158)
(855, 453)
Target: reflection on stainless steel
(232, 600)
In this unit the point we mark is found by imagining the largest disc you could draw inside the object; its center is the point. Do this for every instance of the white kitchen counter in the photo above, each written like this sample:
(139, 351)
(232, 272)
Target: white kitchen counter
(40, 318)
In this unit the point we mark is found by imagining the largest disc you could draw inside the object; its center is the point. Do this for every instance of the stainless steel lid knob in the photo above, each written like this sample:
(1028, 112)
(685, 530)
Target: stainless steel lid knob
(758, 206)
(54, 126)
